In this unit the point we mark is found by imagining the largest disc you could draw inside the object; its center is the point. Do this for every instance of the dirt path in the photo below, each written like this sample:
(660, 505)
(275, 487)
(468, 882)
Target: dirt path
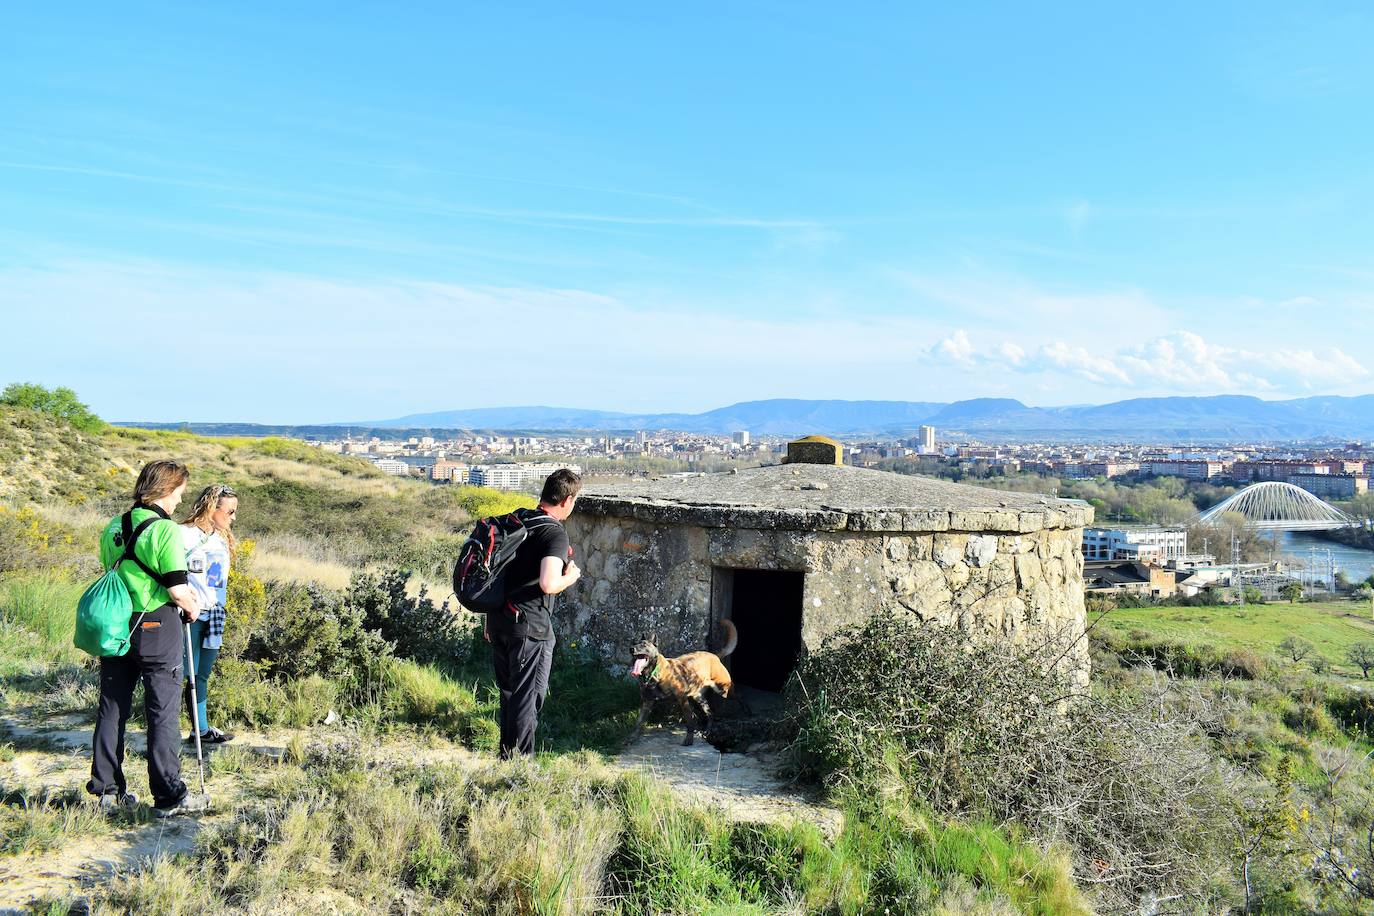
(743, 786)
(53, 754)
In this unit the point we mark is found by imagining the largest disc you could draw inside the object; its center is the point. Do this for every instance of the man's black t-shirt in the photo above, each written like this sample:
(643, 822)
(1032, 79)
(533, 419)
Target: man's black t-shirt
(535, 621)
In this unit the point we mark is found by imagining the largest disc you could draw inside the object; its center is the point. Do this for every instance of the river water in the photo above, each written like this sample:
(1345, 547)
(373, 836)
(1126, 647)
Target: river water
(1355, 562)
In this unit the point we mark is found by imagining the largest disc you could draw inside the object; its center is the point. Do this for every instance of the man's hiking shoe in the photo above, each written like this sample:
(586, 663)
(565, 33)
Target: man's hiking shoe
(190, 803)
(210, 736)
(117, 801)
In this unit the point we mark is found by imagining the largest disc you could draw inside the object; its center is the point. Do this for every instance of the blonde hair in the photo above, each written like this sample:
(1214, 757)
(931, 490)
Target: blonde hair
(204, 510)
(157, 479)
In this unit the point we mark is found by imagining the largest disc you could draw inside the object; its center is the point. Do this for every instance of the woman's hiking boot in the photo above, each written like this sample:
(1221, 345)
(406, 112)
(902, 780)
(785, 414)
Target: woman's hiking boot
(210, 736)
(111, 802)
(190, 803)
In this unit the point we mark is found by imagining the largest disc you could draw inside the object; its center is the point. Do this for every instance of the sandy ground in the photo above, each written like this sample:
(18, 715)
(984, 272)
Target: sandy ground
(744, 786)
(54, 753)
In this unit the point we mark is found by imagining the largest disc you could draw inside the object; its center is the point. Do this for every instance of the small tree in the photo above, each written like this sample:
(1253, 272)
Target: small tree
(1296, 648)
(1292, 591)
(58, 402)
(1361, 655)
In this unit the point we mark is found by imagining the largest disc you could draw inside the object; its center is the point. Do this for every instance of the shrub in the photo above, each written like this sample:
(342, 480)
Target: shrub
(245, 602)
(29, 541)
(310, 632)
(1353, 709)
(1361, 655)
(1296, 648)
(1183, 659)
(984, 728)
(61, 403)
(416, 628)
(1309, 719)
(480, 502)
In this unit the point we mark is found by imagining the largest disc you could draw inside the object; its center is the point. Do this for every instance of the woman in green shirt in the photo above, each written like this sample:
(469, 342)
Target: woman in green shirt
(156, 579)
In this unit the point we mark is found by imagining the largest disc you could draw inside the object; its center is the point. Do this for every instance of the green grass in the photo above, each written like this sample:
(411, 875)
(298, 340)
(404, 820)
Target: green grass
(32, 824)
(1331, 626)
(45, 604)
(39, 666)
(567, 834)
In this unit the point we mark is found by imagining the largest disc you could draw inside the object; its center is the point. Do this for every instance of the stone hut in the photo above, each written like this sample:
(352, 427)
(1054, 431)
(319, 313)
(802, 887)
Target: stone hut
(793, 552)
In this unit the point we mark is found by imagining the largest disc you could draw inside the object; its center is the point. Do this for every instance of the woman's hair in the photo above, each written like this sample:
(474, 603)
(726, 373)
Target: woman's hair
(204, 510)
(157, 479)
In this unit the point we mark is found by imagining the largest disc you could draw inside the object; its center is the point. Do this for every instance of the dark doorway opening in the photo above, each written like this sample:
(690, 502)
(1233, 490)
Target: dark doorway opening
(766, 608)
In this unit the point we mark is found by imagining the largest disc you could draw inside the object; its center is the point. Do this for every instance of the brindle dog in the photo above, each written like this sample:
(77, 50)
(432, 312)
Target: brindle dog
(684, 679)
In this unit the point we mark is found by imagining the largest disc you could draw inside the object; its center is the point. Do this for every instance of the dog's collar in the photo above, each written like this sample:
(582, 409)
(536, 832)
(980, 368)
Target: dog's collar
(649, 675)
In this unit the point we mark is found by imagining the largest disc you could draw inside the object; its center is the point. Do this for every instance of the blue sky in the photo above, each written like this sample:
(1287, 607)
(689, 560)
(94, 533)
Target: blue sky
(357, 211)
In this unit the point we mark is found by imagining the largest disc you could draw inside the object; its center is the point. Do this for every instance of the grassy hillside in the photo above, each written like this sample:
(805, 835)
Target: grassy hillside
(1332, 627)
(1202, 773)
(315, 516)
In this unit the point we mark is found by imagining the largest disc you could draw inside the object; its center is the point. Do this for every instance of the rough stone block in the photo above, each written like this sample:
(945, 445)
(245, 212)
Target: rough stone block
(981, 549)
(1028, 571)
(949, 548)
(925, 520)
(1002, 577)
(983, 520)
(898, 548)
(815, 450)
(922, 547)
(957, 576)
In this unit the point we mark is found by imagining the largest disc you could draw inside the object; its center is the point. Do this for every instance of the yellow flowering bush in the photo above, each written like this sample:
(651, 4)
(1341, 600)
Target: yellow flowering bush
(28, 541)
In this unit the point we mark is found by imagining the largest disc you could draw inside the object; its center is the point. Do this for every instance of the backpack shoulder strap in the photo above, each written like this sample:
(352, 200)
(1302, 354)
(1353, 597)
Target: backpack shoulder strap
(130, 538)
(534, 521)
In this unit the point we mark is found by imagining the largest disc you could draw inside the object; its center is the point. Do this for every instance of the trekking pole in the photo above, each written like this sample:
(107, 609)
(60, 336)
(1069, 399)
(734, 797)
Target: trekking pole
(195, 710)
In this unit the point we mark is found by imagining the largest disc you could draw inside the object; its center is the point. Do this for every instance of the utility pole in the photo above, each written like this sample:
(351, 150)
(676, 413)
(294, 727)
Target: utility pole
(1235, 568)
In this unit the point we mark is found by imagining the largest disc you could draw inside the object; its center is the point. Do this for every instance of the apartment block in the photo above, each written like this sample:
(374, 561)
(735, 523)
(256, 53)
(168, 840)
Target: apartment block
(1153, 544)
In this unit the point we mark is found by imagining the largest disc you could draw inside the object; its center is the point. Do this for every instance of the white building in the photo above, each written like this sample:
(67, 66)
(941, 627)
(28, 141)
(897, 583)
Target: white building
(513, 476)
(926, 445)
(740, 438)
(393, 467)
(1153, 544)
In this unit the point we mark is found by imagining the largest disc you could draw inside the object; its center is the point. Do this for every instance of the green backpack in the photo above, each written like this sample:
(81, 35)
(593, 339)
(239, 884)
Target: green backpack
(102, 614)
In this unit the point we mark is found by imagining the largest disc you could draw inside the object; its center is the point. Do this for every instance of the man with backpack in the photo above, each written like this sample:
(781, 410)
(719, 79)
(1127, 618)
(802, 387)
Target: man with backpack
(521, 632)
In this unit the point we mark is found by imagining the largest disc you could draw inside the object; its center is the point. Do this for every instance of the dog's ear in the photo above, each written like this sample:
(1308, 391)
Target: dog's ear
(653, 638)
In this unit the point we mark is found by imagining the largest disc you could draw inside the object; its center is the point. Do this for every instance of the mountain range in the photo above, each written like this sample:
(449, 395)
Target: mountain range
(1173, 418)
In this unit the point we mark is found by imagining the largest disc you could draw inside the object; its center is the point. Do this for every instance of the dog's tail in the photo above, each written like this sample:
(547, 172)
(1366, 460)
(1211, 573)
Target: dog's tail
(731, 638)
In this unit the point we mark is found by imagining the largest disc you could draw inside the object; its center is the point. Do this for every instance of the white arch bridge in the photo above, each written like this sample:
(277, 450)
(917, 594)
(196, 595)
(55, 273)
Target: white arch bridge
(1277, 506)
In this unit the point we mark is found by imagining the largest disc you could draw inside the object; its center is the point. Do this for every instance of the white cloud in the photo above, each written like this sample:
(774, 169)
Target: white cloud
(291, 347)
(1181, 362)
(957, 349)
(1077, 361)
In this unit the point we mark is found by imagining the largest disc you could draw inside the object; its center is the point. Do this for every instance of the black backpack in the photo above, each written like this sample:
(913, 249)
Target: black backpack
(479, 576)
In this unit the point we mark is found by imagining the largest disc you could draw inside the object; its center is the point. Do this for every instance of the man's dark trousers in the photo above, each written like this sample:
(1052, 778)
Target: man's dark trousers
(155, 657)
(522, 673)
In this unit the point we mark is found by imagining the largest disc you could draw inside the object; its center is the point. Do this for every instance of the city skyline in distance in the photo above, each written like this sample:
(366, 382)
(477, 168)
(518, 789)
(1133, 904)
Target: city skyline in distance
(1225, 417)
